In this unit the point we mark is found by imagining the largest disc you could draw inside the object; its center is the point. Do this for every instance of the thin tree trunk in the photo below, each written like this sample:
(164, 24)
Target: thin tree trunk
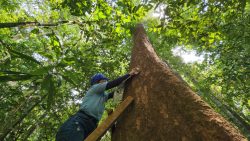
(241, 120)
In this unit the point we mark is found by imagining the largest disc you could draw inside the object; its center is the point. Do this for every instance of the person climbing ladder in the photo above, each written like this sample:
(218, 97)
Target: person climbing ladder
(80, 125)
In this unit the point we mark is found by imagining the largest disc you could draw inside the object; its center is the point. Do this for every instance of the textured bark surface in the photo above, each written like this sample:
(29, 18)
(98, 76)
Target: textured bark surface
(165, 109)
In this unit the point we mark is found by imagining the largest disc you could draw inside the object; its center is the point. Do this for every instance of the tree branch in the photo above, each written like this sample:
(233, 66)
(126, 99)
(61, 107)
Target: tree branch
(9, 25)
(35, 23)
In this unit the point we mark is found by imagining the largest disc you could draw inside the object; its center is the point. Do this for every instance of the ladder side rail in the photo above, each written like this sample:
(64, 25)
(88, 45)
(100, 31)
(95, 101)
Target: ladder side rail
(107, 123)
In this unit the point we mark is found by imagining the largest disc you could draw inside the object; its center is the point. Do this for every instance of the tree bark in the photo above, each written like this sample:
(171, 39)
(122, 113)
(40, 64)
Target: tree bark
(165, 108)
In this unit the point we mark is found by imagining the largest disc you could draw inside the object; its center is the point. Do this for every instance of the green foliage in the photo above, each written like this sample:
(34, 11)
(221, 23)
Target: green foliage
(51, 49)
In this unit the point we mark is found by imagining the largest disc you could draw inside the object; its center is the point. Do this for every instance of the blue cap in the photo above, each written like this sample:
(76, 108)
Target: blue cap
(97, 77)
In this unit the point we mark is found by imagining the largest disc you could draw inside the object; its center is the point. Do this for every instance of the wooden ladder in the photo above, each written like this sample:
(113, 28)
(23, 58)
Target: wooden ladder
(107, 123)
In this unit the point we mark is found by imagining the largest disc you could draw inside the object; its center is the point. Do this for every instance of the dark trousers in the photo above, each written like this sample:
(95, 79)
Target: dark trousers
(77, 127)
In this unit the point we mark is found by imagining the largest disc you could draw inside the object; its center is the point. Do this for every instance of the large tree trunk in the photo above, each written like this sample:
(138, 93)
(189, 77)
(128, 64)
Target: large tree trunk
(165, 107)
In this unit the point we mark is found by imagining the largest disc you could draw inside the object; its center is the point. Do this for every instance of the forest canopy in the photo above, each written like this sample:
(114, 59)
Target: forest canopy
(49, 49)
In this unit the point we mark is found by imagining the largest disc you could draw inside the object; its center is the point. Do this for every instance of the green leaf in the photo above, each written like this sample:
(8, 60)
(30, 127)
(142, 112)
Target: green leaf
(55, 43)
(101, 15)
(35, 31)
(136, 8)
(42, 71)
(23, 56)
(6, 76)
(68, 80)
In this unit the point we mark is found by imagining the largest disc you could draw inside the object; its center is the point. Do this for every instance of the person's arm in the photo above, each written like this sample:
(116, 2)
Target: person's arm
(117, 81)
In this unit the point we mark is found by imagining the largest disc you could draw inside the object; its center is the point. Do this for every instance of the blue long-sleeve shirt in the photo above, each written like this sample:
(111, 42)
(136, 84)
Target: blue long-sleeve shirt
(93, 102)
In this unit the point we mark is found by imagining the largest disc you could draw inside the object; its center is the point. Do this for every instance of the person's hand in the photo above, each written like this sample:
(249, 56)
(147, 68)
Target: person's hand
(134, 71)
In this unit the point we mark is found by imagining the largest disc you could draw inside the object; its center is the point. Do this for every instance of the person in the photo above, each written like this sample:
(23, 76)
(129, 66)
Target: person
(80, 125)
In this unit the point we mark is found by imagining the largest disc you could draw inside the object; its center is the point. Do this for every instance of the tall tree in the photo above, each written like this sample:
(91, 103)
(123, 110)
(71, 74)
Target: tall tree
(62, 43)
(165, 107)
